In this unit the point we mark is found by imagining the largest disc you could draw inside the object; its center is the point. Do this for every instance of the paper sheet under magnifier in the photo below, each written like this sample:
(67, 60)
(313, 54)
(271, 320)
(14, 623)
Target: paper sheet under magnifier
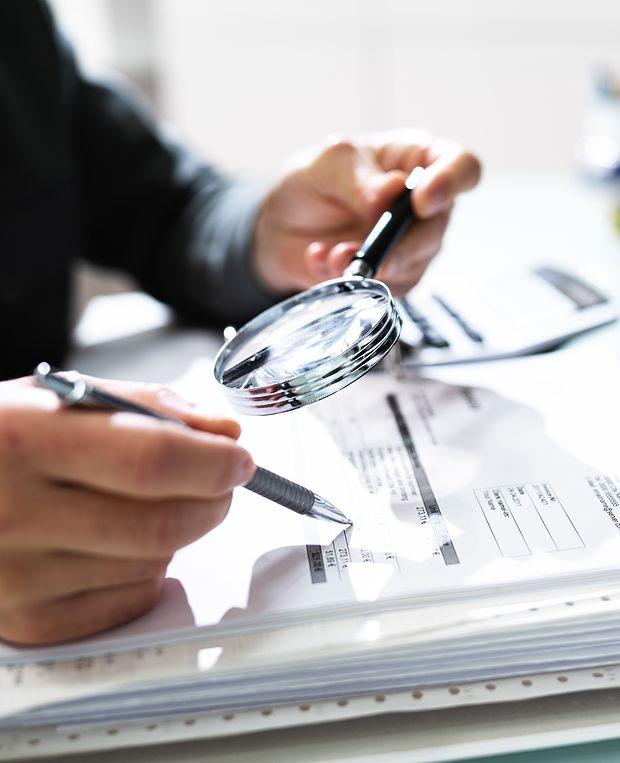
(453, 488)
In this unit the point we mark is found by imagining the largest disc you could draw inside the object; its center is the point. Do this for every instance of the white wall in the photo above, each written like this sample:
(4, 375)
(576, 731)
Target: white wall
(89, 27)
(248, 81)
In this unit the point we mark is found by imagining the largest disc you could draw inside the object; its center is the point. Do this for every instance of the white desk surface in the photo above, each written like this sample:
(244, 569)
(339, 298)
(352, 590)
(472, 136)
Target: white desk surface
(508, 218)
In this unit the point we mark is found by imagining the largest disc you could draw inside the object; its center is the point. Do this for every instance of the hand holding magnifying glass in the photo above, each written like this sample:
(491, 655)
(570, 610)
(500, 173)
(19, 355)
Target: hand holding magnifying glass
(325, 338)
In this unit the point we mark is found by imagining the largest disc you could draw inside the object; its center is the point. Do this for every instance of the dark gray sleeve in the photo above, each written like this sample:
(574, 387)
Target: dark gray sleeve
(215, 236)
(148, 207)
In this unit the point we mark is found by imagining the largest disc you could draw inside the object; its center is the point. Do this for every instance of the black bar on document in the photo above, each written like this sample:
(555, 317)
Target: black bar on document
(315, 560)
(426, 491)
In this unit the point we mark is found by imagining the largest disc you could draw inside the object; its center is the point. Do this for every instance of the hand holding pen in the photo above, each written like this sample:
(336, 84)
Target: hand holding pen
(73, 389)
(93, 505)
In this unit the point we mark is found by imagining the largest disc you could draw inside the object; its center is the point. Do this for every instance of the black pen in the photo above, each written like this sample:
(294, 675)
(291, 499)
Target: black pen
(73, 389)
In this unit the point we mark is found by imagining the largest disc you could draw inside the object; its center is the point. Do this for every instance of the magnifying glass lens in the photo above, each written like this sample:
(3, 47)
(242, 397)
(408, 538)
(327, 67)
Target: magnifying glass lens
(309, 346)
(322, 340)
(304, 339)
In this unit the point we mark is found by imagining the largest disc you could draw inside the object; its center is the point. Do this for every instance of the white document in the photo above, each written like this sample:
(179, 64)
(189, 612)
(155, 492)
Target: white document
(485, 544)
(485, 478)
(452, 488)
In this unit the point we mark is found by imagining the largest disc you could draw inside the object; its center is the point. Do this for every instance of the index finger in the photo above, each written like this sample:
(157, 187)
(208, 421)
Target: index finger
(162, 399)
(134, 455)
(450, 170)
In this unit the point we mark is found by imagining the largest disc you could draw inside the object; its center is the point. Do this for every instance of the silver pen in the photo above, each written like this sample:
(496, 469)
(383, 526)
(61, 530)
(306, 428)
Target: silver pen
(73, 389)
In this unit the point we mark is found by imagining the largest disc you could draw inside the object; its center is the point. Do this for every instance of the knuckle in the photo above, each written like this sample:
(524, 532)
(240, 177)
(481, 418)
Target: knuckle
(163, 534)
(153, 390)
(178, 525)
(157, 395)
(339, 145)
(162, 394)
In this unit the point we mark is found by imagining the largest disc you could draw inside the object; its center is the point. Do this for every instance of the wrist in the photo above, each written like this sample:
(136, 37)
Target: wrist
(264, 258)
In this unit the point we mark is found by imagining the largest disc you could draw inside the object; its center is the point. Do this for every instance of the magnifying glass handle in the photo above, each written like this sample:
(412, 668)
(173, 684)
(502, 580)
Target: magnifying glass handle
(387, 232)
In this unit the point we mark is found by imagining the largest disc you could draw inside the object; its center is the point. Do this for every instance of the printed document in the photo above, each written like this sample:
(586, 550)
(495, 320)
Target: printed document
(482, 477)
(474, 480)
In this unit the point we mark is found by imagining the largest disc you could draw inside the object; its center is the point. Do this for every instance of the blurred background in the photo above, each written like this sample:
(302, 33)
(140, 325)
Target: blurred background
(247, 82)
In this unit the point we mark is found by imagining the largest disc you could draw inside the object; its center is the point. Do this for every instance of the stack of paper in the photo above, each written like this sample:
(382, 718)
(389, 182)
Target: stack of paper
(486, 543)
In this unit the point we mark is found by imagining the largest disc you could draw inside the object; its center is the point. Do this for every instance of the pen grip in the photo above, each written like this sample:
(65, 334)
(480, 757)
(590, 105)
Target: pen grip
(281, 490)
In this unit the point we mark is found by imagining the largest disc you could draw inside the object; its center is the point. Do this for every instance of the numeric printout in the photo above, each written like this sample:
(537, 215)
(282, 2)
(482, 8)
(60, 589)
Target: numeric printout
(469, 479)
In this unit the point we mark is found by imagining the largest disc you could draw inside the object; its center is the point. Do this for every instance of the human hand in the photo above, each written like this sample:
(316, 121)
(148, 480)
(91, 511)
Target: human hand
(329, 197)
(94, 504)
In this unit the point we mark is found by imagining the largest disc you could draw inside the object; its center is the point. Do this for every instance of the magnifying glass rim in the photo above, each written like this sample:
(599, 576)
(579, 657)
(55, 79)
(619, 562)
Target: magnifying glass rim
(329, 376)
(296, 398)
(269, 316)
(357, 353)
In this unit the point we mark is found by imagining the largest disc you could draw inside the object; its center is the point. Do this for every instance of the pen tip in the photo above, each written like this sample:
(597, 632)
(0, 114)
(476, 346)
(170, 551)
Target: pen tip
(323, 509)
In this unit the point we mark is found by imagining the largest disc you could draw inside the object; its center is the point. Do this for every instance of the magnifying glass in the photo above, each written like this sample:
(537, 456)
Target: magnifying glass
(321, 340)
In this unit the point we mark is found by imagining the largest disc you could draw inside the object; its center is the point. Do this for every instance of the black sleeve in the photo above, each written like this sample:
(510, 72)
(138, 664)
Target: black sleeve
(181, 228)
